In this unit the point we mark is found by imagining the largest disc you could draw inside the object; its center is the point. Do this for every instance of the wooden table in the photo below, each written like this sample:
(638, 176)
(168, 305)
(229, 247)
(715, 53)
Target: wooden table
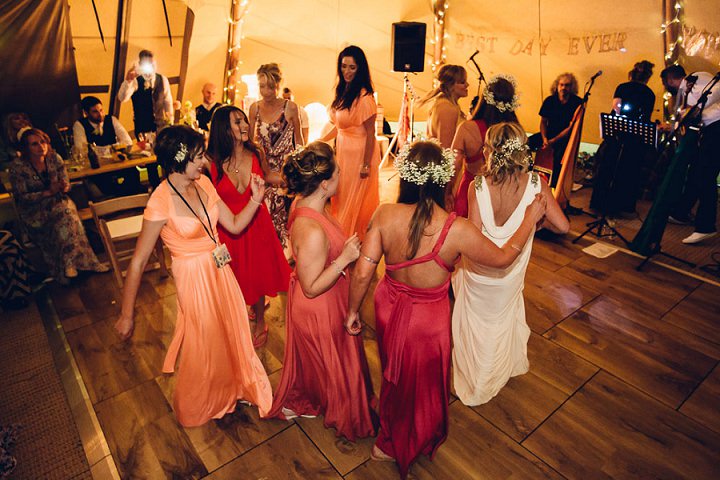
(111, 166)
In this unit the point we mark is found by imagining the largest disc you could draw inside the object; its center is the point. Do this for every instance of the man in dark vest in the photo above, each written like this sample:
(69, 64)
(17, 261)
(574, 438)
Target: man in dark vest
(102, 130)
(150, 95)
(204, 111)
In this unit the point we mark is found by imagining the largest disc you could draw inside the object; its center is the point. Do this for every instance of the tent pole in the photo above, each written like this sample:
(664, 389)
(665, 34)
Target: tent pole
(122, 31)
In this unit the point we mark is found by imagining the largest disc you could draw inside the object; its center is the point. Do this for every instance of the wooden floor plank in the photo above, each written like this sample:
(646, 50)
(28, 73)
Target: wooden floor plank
(699, 313)
(288, 455)
(703, 405)
(554, 252)
(527, 400)
(613, 336)
(611, 430)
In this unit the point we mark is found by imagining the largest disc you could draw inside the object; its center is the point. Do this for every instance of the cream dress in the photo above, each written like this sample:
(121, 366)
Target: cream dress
(490, 334)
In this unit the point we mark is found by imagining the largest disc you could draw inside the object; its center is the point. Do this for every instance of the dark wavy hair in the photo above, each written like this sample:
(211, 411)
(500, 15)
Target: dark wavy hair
(424, 197)
(573, 83)
(303, 171)
(168, 145)
(221, 143)
(24, 143)
(641, 72)
(346, 94)
(503, 91)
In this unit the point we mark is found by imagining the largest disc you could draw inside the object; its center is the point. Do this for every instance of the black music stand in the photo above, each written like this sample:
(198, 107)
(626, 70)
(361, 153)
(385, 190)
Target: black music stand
(618, 126)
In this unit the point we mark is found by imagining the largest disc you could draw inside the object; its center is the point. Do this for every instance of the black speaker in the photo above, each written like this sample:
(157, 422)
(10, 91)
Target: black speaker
(408, 47)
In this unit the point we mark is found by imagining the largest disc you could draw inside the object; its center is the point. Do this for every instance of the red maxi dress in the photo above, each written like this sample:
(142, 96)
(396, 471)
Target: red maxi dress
(325, 371)
(461, 199)
(258, 261)
(413, 332)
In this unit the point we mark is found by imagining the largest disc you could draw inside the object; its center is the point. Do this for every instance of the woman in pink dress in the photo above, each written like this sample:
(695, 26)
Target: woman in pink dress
(258, 261)
(324, 371)
(498, 104)
(353, 113)
(421, 243)
(212, 344)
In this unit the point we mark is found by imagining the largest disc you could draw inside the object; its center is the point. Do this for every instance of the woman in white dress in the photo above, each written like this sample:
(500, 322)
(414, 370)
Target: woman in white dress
(490, 334)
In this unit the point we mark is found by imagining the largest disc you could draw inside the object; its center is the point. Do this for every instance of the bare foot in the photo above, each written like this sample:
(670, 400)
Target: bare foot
(380, 456)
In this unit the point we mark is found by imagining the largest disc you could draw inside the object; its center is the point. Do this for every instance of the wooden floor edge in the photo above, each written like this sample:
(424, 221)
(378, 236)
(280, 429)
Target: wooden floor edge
(92, 437)
(652, 260)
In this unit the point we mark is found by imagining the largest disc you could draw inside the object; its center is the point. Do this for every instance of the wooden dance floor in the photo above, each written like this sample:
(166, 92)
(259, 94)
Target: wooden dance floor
(624, 383)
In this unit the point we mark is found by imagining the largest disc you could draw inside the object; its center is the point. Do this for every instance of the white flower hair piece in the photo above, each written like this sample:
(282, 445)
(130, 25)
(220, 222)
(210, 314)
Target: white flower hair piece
(181, 153)
(501, 157)
(511, 106)
(411, 172)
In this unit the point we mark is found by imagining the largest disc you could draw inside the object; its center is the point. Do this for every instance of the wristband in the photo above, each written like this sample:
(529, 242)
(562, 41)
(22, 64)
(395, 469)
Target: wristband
(338, 269)
(255, 201)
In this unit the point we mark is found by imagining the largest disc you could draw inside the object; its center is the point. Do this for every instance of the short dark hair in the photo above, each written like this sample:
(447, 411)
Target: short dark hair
(676, 72)
(169, 143)
(88, 102)
(145, 53)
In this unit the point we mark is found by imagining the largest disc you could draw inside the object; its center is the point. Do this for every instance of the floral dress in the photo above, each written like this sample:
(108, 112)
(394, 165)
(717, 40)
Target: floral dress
(277, 140)
(52, 222)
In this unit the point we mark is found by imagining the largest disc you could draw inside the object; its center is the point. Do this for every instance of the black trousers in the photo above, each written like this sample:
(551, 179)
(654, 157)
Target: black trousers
(701, 184)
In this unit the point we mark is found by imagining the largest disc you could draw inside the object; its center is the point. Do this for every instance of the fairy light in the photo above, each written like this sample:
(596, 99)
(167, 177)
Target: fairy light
(238, 11)
(672, 29)
(440, 9)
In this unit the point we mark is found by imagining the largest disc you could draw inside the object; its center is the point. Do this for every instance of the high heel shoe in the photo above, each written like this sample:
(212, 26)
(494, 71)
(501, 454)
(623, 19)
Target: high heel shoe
(260, 339)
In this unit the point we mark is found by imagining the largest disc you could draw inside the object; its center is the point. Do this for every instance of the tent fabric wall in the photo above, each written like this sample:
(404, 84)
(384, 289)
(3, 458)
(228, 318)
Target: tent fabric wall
(38, 62)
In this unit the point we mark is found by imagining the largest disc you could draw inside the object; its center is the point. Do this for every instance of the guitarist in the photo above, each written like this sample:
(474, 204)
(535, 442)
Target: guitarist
(698, 95)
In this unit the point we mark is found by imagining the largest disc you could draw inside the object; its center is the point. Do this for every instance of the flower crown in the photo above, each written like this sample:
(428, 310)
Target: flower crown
(489, 97)
(501, 157)
(411, 172)
(181, 153)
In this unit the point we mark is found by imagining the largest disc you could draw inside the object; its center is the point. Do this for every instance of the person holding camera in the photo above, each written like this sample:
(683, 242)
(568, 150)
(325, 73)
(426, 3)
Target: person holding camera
(150, 94)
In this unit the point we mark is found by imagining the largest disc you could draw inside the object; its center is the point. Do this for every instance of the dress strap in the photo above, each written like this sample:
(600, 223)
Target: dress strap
(433, 254)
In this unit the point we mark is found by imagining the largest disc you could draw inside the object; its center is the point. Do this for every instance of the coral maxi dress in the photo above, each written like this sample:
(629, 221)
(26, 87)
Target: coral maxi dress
(325, 370)
(357, 198)
(413, 331)
(218, 365)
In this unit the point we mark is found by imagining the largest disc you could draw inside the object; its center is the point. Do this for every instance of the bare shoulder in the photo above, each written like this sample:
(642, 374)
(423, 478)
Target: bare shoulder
(307, 230)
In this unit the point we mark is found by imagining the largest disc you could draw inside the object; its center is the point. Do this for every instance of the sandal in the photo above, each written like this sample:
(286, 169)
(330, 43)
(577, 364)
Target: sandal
(260, 339)
(380, 456)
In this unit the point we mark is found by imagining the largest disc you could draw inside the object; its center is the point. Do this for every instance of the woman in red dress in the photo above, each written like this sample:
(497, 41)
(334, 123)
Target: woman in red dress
(257, 256)
(325, 371)
(420, 242)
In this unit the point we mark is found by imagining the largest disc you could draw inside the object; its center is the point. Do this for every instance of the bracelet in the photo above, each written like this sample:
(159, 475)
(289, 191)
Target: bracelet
(512, 245)
(338, 269)
(374, 262)
(255, 201)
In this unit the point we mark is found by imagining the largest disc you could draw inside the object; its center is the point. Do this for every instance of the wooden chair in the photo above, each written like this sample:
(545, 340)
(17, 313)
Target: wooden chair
(121, 229)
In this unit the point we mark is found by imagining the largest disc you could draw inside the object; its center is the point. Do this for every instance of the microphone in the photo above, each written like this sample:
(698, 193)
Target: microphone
(599, 72)
(473, 55)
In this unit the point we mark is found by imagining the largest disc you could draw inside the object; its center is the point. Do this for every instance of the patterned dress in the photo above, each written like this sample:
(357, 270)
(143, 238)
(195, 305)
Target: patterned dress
(14, 269)
(52, 222)
(277, 140)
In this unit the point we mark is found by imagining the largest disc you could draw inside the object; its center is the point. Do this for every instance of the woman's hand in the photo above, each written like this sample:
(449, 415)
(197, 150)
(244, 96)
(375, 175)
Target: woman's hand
(257, 187)
(365, 171)
(351, 250)
(353, 325)
(536, 210)
(124, 326)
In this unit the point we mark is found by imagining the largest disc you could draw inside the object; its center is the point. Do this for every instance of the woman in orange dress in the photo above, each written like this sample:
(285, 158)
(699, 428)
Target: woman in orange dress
(325, 371)
(353, 113)
(217, 364)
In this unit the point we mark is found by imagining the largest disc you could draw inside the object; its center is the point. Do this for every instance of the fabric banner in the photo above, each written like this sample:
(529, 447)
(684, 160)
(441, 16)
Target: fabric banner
(38, 62)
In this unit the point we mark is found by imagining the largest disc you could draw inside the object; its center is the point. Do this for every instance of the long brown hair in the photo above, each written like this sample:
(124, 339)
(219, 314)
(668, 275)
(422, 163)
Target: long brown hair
(221, 143)
(447, 77)
(346, 94)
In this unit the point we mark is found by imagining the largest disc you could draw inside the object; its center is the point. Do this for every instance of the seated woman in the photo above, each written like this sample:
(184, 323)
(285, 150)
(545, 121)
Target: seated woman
(420, 242)
(325, 371)
(489, 331)
(40, 185)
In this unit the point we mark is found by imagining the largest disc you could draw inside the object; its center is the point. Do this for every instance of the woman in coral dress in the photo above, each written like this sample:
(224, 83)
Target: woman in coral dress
(490, 334)
(212, 344)
(258, 261)
(353, 113)
(498, 104)
(420, 242)
(275, 125)
(325, 371)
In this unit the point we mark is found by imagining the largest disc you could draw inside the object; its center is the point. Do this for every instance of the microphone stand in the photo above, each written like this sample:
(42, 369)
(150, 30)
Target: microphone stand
(481, 78)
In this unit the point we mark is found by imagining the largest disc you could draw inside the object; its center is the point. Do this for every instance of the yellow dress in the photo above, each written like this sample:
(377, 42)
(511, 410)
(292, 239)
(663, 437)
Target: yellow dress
(218, 365)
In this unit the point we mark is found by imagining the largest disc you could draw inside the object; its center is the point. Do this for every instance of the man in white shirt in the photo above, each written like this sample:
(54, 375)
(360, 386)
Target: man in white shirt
(150, 95)
(702, 175)
(98, 128)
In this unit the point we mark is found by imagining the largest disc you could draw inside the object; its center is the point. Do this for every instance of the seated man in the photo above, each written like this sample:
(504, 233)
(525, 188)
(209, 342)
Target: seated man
(102, 130)
(204, 111)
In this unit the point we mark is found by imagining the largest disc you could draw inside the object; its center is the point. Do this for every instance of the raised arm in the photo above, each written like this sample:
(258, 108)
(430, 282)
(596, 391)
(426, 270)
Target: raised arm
(143, 248)
(237, 223)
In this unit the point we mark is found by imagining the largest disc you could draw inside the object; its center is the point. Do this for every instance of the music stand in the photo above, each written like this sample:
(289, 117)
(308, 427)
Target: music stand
(617, 126)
